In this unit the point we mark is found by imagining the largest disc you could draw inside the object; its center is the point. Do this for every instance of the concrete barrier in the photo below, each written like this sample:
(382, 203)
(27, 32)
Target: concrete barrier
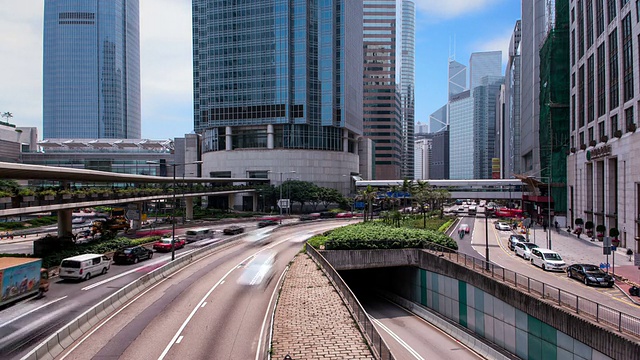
(55, 344)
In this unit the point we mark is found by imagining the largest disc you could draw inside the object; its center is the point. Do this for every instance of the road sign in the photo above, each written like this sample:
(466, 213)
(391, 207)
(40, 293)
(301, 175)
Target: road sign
(133, 214)
(283, 203)
(604, 266)
(606, 250)
(606, 241)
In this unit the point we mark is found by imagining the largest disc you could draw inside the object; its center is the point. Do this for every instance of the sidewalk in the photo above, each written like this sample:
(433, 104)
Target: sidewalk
(311, 322)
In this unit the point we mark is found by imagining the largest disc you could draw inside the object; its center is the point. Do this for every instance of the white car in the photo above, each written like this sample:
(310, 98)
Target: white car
(502, 226)
(523, 249)
(259, 271)
(547, 259)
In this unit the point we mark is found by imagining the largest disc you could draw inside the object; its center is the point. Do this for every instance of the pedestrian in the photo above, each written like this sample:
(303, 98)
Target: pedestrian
(556, 223)
(544, 225)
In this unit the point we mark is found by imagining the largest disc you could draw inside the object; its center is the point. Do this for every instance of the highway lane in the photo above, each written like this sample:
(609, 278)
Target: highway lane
(200, 312)
(410, 337)
(502, 256)
(25, 323)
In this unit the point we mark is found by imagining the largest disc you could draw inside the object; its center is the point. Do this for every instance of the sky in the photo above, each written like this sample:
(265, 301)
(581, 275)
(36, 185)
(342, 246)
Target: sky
(166, 67)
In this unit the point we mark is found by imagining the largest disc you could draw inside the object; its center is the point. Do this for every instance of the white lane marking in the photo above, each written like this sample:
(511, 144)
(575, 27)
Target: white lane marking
(222, 282)
(398, 339)
(32, 311)
(266, 315)
(203, 305)
(159, 261)
(193, 312)
(179, 339)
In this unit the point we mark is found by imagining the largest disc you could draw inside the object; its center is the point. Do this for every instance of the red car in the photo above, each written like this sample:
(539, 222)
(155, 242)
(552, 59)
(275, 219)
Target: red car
(344, 215)
(165, 244)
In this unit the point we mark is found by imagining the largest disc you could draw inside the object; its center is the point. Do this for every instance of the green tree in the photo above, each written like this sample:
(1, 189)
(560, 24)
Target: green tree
(407, 188)
(367, 195)
(423, 194)
(330, 196)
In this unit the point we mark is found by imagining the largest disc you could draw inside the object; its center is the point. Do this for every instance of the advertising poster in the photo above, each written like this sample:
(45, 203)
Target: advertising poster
(20, 279)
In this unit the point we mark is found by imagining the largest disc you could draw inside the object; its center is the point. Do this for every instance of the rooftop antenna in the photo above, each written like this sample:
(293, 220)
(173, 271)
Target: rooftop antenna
(452, 50)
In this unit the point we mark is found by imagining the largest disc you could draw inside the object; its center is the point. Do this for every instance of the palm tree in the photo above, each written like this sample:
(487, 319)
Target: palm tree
(367, 195)
(7, 115)
(423, 193)
(440, 196)
(406, 188)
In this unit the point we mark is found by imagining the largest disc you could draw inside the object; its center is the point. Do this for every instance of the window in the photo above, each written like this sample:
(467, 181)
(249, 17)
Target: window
(590, 90)
(591, 134)
(581, 96)
(628, 116)
(611, 10)
(614, 92)
(582, 138)
(573, 112)
(600, 17)
(580, 29)
(589, 23)
(573, 46)
(601, 130)
(614, 124)
(637, 10)
(602, 101)
(627, 58)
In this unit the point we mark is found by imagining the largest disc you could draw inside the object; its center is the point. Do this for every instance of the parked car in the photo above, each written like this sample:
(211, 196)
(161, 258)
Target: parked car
(547, 259)
(233, 230)
(590, 275)
(132, 255)
(513, 239)
(502, 226)
(524, 249)
(165, 244)
(464, 227)
(264, 223)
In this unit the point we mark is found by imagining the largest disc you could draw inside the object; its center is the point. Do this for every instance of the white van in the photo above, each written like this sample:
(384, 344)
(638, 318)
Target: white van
(83, 267)
(547, 259)
(199, 234)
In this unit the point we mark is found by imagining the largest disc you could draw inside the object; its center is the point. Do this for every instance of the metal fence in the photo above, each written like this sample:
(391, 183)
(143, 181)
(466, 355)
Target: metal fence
(586, 308)
(375, 341)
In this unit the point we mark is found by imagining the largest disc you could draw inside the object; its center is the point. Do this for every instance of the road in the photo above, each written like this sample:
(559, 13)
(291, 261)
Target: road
(410, 337)
(24, 324)
(200, 312)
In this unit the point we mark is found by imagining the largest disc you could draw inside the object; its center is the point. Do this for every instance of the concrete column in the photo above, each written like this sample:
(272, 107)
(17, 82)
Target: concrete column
(345, 140)
(136, 224)
(65, 227)
(232, 201)
(228, 139)
(255, 202)
(188, 204)
(269, 136)
(355, 146)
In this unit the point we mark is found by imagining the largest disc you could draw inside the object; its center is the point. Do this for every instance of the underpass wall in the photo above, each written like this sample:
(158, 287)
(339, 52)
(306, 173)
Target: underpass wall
(520, 323)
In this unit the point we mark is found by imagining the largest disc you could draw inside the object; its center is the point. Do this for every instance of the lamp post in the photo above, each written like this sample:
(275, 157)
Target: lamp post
(173, 211)
(486, 237)
(280, 201)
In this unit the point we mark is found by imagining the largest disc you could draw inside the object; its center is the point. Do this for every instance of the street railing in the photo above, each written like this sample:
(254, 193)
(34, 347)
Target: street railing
(374, 340)
(588, 309)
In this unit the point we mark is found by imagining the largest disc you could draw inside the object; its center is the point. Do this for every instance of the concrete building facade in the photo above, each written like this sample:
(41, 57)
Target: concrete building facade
(423, 159)
(512, 111)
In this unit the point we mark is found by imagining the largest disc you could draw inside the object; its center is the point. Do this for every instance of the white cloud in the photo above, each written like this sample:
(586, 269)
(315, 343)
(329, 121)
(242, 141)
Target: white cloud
(452, 8)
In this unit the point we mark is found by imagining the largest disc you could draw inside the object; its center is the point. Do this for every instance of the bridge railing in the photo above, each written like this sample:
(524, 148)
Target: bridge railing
(375, 341)
(588, 309)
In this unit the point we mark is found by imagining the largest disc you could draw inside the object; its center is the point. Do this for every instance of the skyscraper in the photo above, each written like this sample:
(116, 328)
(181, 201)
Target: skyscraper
(481, 64)
(407, 81)
(278, 87)
(461, 148)
(439, 119)
(383, 121)
(511, 136)
(484, 125)
(91, 69)
(457, 78)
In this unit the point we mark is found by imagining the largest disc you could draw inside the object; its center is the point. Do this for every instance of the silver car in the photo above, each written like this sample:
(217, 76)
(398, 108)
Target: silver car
(260, 270)
(523, 249)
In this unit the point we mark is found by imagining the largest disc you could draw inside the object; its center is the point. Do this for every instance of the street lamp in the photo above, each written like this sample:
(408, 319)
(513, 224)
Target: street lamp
(486, 237)
(173, 211)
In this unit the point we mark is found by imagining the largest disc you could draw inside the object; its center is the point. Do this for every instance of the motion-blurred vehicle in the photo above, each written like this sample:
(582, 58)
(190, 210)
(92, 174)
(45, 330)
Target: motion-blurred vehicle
(502, 226)
(547, 259)
(132, 255)
(590, 275)
(259, 271)
(344, 215)
(509, 213)
(309, 217)
(164, 245)
(327, 215)
(464, 227)
(83, 267)
(264, 223)
(22, 278)
(514, 239)
(233, 230)
(199, 234)
(523, 249)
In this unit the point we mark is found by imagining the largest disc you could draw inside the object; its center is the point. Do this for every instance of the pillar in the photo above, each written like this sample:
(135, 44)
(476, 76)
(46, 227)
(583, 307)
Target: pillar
(345, 140)
(269, 136)
(232, 202)
(65, 227)
(255, 202)
(136, 222)
(228, 139)
(188, 204)
(355, 145)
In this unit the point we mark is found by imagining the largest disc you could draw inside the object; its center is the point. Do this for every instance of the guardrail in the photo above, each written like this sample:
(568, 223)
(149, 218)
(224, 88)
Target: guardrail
(374, 340)
(589, 309)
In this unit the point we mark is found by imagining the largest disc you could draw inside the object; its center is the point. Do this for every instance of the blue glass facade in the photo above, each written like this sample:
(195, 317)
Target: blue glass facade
(280, 63)
(91, 69)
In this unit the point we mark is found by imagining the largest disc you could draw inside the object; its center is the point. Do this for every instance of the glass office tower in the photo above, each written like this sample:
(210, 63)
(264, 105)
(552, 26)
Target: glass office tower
(275, 79)
(91, 69)
(407, 81)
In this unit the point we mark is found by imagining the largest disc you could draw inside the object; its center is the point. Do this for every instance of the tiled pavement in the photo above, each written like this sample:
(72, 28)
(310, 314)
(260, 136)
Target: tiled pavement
(311, 321)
